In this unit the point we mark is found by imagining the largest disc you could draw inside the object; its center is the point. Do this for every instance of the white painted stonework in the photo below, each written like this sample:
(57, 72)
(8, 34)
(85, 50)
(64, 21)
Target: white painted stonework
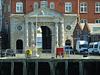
(56, 21)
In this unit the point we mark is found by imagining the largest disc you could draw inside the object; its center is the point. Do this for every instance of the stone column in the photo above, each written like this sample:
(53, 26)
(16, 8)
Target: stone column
(66, 67)
(36, 68)
(24, 68)
(32, 32)
(56, 34)
(52, 67)
(26, 34)
(12, 68)
(80, 68)
(62, 35)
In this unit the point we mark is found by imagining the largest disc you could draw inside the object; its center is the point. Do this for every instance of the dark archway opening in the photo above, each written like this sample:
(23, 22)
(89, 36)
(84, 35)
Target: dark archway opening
(44, 68)
(46, 39)
(19, 46)
(68, 42)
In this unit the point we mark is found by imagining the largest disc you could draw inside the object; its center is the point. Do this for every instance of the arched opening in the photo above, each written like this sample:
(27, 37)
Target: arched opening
(19, 46)
(46, 39)
(68, 42)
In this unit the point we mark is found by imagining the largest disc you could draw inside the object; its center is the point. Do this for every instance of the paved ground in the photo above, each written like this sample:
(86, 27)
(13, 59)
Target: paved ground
(48, 56)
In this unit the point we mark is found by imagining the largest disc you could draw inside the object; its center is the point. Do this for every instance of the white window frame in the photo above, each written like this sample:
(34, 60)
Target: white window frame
(19, 6)
(35, 5)
(69, 7)
(98, 7)
(97, 20)
(43, 4)
(83, 7)
(52, 5)
(84, 20)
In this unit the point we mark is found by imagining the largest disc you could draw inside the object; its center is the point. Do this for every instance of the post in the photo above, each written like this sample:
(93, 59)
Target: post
(12, 68)
(36, 68)
(52, 68)
(36, 55)
(24, 68)
(66, 67)
(80, 68)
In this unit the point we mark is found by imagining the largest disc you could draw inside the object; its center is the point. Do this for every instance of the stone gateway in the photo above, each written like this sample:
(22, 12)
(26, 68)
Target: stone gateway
(57, 29)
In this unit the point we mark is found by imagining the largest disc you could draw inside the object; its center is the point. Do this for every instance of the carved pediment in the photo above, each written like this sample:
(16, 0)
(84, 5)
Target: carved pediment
(44, 11)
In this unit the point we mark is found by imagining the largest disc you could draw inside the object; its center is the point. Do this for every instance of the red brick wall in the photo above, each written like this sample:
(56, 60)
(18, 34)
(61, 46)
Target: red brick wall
(58, 7)
(90, 16)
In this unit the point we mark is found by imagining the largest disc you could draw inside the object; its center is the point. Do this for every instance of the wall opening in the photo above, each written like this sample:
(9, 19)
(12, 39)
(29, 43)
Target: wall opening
(68, 42)
(46, 39)
(19, 46)
(44, 68)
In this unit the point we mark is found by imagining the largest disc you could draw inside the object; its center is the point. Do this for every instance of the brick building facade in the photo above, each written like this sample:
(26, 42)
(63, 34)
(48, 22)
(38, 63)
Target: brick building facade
(60, 14)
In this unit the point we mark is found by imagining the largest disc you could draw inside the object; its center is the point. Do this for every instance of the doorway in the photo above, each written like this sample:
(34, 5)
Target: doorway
(19, 46)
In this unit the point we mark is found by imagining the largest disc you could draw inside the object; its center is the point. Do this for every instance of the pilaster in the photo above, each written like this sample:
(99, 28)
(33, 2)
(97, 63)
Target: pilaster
(32, 32)
(62, 35)
(26, 34)
(56, 34)
(36, 68)
(24, 68)
(12, 67)
(80, 68)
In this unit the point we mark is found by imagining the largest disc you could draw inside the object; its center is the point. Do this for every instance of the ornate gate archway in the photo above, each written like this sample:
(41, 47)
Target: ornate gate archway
(46, 39)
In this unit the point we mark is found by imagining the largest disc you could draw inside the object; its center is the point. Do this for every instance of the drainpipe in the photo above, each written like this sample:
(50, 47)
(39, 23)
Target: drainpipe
(1, 15)
(10, 7)
(78, 13)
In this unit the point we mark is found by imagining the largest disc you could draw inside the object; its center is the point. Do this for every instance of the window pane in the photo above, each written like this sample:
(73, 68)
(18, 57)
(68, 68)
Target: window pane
(83, 20)
(43, 3)
(66, 4)
(85, 4)
(68, 7)
(96, 21)
(96, 4)
(81, 9)
(85, 9)
(70, 4)
(19, 7)
(52, 5)
(99, 9)
(81, 4)
(35, 6)
(96, 9)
